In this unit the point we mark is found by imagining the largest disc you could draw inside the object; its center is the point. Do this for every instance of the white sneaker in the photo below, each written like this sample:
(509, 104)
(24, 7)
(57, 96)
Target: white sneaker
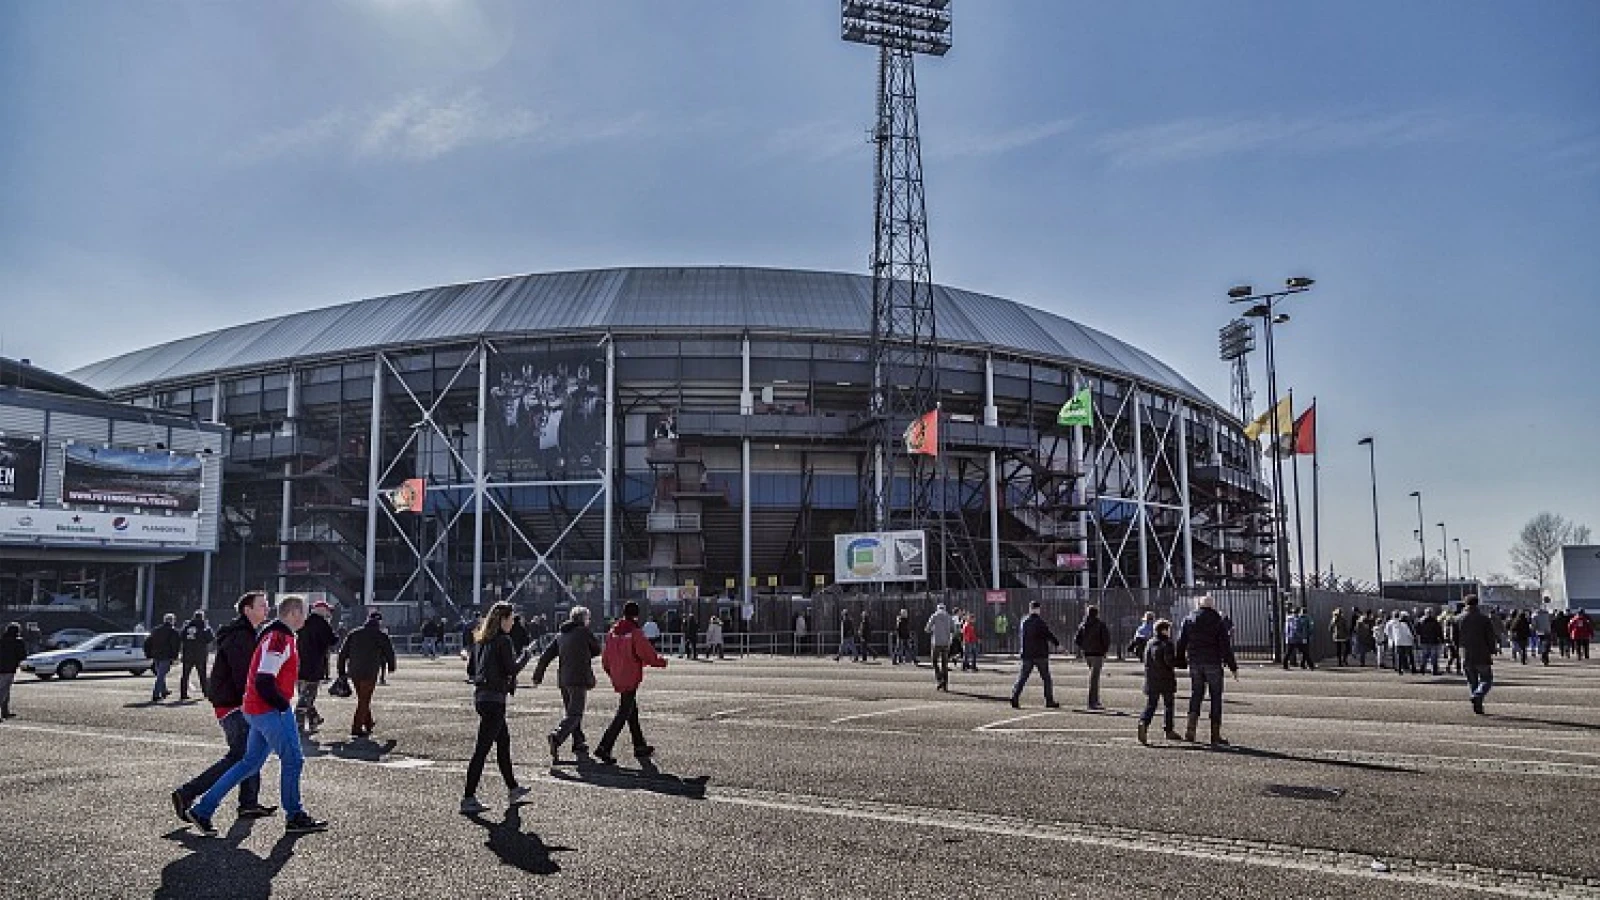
(517, 795)
(471, 806)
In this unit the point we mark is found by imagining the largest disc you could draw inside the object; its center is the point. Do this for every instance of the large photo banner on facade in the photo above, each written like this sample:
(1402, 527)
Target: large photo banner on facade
(546, 415)
(119, 476)
(19, 468)
(880, 556)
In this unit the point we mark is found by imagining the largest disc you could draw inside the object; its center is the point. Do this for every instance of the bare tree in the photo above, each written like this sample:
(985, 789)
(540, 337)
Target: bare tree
(1540, 540)
(1411, 569)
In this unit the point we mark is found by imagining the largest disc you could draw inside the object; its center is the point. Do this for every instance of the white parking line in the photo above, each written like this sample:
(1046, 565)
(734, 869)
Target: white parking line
(1021, 718)
(884, 712)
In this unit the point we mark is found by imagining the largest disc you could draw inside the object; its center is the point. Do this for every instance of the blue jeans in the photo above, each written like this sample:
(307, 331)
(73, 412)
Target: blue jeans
(1201, 680)
(161, 667)
(1479, 679)
(237, 731)
(1430, 658)
(969, 655)
(270, 733)
(1028, 665)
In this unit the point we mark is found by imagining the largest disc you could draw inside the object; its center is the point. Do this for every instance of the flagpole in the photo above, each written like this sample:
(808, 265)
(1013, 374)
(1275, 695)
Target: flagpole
(1316, 505)
(944, 501)
(1299, 534)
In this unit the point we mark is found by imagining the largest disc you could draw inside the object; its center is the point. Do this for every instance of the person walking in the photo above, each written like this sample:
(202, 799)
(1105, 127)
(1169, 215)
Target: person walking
(847, 637)
(575, 647)
(315, 642)
(1361, 636)
(1560, 625)
(273, 671)
(1541, 631)
(162, 647)
(197, 637)
(230, 677)
(1452, 647)
(521, 638)
(494, 667)
(1430, 637)
(13, 650)
(1521, 632)
(1037, 639)
(1204, 648)
(1160, 681)
(1401, 643)
(1093, 641)
(714, 637)
(970, 642)
(1308, 634)
(432, 637)
(366, 653)
(1581, 630)
(1380, 639)
(1293, 641)
(624, 657)
(1339, 631)
(939, 628)
(1476, 639)
(1002, 629)
(1142, 636)
(691, 636)
(902, 640)
(864, 638)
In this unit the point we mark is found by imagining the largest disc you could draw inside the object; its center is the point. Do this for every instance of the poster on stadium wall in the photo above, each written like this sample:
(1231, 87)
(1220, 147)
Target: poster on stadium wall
(880, 556)
(121, 476)
(19, 469)
(546, 415)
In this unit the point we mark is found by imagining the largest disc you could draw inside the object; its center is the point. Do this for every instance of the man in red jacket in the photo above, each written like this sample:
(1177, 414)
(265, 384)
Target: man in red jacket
(627, 652)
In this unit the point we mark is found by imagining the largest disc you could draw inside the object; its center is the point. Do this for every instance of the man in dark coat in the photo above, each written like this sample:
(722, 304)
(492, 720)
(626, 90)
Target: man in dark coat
(13, 650)
(367, 651)
(1476, 638)
(1204, 648)
(575, 647)
(197, 637)
(162, 647)
(1037, 639)
(691, 636)
(520, 638)
(315, 641)
(1160, 680)
(1093, 641)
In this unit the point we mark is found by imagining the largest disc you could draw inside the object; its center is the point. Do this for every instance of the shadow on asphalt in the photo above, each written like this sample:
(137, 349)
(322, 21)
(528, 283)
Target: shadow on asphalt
(515, 847)
(1258, 753)
(219, 867)
(1528, 720)
(997, 698)
(362, 749)
(646, 778)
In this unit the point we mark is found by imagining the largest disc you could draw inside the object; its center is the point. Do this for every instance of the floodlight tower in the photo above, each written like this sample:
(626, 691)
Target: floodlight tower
(905, 371)
(1235, 340)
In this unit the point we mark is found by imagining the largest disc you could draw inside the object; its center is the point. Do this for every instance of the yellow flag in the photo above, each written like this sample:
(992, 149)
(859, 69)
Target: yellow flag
(1277, 420)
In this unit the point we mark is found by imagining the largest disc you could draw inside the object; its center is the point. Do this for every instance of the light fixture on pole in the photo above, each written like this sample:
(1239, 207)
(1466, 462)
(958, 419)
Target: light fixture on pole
(1377, 541)
(1444, 550)
(1422, 539)
(1461, 568)
(1468, 552)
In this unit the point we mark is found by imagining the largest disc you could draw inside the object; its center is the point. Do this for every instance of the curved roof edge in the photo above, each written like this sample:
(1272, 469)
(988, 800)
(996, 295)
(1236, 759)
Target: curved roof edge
(680, 299)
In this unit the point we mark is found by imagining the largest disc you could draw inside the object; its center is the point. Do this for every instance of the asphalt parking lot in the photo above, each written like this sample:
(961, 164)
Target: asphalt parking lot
(810, 778)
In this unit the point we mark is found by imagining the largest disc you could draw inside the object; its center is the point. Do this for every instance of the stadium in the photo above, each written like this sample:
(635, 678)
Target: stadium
(737, 398)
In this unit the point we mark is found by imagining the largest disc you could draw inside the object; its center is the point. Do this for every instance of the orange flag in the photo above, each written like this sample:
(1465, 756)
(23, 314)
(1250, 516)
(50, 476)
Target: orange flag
(922, 435)
(1305, 431)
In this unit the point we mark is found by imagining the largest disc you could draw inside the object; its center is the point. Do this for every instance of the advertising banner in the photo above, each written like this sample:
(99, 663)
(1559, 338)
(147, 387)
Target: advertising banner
(880, 556)
(65, 526)
(546, 416)
(19, 468)
(119, 476)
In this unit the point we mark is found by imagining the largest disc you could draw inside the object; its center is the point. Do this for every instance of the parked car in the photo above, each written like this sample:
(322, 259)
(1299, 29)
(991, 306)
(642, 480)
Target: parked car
(120, 651)
(68, 637)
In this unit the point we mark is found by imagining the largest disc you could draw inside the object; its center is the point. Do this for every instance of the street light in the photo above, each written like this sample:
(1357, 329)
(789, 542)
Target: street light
(1262, 308)
(1444, 550)
(1461, 569)
(1377, 542)
(1468, 552)
(1422, 540)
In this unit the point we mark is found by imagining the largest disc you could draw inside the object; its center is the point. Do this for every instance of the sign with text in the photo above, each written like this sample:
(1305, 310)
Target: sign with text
(120, 476)
(19, 468)
(66, 526)
(996, 598)
(880, 556)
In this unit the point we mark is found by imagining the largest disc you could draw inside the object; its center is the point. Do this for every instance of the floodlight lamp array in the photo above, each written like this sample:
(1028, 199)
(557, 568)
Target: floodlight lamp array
(918, 26)
(1236, 339)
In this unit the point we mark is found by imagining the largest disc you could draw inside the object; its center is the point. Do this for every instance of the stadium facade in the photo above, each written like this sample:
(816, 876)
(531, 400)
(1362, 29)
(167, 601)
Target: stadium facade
(735, 438)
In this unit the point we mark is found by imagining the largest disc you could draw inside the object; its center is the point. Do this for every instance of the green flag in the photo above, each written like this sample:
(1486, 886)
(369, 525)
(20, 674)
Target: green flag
(1077, 411)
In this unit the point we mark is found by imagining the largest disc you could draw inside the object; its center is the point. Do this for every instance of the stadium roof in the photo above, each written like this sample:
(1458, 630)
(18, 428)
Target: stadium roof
(678, 300)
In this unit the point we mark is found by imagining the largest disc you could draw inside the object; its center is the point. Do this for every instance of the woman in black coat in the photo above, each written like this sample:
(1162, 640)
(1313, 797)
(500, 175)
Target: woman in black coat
(1160, 681)
(13, 650)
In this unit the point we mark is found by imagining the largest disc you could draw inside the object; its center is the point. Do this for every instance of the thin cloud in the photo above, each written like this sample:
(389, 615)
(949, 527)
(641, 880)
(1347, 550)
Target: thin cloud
(1186, 140)
(827, 140)
(424, 126)
(1006, 140)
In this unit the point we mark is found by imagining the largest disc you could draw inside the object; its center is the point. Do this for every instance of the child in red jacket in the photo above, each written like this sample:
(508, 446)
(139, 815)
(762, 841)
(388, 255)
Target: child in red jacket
(627, 651)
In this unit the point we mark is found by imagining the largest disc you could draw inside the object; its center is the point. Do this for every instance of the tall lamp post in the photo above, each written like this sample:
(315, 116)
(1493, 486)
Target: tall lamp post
(1444, 550)
(1377, 541)
(1422, 540)
(1262, 307)
(1468, 553)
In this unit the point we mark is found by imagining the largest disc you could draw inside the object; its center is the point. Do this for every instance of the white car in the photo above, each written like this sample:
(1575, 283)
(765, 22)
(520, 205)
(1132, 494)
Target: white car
(116, 652)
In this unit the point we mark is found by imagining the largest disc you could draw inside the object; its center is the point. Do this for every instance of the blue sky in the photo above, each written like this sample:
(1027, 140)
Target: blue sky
(173, 167)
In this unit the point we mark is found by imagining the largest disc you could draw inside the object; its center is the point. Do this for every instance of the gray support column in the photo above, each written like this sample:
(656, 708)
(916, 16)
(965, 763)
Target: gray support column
(745, 572)
(479, 481)
(747, 400)
(1143, 485)
(991, 418)
(1183, 493)
(374, 472)
(150, 598)
(991, 412)
(285, 521)
(141, 606)
(607, 578)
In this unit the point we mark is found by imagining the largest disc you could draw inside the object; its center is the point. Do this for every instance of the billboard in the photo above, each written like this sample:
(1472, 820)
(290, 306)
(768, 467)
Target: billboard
(880, 556)
(546, 415)
(19, 468)
(120, 476)
(67, 526)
